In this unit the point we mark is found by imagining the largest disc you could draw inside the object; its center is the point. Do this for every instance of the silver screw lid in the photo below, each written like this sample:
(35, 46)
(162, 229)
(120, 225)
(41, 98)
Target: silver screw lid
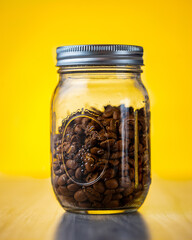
(99, 55)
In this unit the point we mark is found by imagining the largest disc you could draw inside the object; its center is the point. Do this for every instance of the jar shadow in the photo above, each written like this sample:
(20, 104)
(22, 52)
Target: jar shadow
(129, 226)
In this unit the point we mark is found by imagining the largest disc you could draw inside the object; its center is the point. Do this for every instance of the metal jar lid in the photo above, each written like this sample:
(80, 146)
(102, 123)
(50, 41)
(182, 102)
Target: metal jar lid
(99, 55)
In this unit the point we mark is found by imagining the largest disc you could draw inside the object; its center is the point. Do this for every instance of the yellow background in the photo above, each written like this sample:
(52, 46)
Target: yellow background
(30, 33)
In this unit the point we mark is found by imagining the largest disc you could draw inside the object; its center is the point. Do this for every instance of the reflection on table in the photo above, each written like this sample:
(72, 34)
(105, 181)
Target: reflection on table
(102, 227)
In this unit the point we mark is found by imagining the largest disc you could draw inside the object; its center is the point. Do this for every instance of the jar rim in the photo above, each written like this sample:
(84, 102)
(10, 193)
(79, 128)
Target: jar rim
(108, 54)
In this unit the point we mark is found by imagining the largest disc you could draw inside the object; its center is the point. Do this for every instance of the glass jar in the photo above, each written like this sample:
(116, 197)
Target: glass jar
(100, 129)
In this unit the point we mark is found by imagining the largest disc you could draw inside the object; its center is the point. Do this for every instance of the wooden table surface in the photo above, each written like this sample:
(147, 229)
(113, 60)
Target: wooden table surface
(30, 211)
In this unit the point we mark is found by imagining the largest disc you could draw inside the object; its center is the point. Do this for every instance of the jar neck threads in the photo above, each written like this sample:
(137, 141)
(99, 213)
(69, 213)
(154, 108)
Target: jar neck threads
(95, 69)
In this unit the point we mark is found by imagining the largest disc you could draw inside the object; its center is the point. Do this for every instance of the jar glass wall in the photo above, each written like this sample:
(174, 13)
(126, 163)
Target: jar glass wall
(100, 139)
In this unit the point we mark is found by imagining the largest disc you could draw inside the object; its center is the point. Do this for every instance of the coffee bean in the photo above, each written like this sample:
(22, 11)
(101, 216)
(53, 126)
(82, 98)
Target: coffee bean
(80, 196)
(78, 129)
(129, 190)
(99, 150)
(116, 115)
(62, 179)
(109, 192)
(111, 183)
(71, 164)
(90, 166)
(73, 187)
(111, 135)
(78, 173)
(116, 155)
(110, 173)
(108, 113)
(55, 181)
(78, 120)
(92, 195)
(58, 172)
(85, 121)
(71, 172)
(91, 177)
(107, 143)
(99, 187)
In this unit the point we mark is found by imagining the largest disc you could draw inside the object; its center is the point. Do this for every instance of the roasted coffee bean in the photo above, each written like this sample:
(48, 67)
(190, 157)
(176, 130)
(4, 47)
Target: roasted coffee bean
(116, 155)
(71, 172)
(106, 122)
(105, 155)
(107, 143)
(72, 149)
(91, 177)
(71, 164)
(78, 120)
(90, 142)
(93, 192)
(99, 187)
(92, 195)
(116, 115)
(90, 166)
(78, 173)
(101, 135)
(95, 150)
(129, 190)
(80, 196)
(58, 172)
(55, 181)
(78, 129)
(111, 135)
(110, 173)
(112, 126)
(111, 183)
(98, 150)
(109, 192)
(108, 113)
(85, 121)
(62, 179)
(73, 187)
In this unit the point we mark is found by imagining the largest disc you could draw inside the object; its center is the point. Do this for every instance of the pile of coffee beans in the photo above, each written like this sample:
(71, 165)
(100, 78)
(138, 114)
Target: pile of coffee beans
(101, 159)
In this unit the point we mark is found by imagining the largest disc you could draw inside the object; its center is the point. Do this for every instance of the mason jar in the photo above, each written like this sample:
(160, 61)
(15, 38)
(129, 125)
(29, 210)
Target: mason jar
(100, 129)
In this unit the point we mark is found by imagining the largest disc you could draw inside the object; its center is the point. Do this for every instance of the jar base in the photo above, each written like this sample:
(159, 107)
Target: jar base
(101, 212)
